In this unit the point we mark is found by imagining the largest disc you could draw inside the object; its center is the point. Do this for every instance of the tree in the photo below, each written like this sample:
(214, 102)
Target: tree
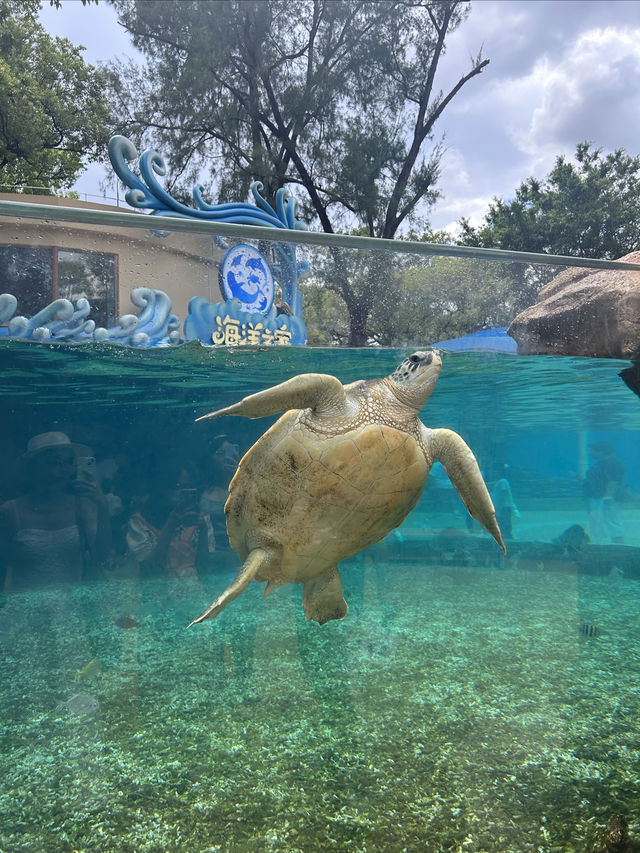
(325, 315)
(425, 299)
(53, 107)
(590, 209)
(336, 96)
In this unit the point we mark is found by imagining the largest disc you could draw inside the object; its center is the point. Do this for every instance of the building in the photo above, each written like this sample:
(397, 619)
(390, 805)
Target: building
(42, 260)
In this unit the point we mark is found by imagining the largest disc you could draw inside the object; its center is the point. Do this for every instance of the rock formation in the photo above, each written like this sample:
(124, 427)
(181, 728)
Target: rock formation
(584, 312)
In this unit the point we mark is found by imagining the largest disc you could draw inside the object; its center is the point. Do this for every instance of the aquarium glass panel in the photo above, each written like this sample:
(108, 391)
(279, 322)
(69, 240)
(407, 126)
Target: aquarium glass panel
(434, 691)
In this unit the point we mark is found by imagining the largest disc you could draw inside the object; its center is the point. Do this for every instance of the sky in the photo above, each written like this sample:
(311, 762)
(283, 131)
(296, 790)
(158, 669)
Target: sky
(560, 72)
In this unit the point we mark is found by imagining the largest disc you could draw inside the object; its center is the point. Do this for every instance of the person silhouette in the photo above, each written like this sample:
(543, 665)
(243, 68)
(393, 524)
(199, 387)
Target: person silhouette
(503, 502)
(57, 531)
(605, 484)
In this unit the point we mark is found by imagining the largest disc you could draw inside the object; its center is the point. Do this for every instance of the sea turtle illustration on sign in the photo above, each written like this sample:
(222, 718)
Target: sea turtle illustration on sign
(340, 469)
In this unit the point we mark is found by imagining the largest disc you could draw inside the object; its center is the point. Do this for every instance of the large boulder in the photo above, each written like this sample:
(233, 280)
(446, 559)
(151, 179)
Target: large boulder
(584, 312)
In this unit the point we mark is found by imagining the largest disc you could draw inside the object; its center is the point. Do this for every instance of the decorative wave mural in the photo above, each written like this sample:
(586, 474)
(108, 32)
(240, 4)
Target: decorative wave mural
(146, 193)
(219, 323)
(222, 323)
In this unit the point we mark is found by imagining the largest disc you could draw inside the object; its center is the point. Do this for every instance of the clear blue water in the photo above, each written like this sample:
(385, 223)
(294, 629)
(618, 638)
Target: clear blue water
(461, 705)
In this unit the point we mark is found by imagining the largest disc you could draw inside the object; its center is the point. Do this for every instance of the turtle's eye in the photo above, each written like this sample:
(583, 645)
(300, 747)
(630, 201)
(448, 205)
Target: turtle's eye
(414, 359)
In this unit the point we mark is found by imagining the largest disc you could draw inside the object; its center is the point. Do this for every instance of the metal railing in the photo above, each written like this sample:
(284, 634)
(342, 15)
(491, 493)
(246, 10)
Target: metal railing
(133, 219)
(18, 189)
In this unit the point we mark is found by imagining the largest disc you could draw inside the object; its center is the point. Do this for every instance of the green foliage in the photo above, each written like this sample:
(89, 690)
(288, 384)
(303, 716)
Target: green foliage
(325, 315)
(53, 108)
(440, 298)
(590, 208)
(336, 96)
(413, 301)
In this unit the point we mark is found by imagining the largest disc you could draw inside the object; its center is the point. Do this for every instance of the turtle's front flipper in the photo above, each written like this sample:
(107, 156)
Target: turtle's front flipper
(462, 469)
(317, 391)
(258, 558)
(322, 597)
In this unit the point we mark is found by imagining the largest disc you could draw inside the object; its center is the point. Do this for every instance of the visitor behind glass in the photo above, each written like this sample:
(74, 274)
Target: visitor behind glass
(604, 487)
(58, 530)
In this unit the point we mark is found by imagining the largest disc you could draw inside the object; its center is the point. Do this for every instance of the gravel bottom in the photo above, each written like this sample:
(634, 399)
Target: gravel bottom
(453, 709)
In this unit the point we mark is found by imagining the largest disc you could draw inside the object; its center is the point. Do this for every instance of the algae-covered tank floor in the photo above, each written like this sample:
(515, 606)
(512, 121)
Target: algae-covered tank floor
(454, 709)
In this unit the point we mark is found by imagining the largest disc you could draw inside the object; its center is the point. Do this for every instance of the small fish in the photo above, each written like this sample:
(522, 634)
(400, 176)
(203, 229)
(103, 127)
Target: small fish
(127, 622)
(94, 667)
(587, 630)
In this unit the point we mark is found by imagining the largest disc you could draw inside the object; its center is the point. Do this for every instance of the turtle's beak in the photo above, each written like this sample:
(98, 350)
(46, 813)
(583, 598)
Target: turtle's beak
(430, 357)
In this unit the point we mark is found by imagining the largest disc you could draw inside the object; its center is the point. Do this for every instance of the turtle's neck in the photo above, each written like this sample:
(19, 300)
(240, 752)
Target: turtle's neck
(389, 406)
(406, 399)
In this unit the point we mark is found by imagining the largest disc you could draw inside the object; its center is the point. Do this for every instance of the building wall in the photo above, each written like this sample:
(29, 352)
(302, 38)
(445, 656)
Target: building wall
(183, 265)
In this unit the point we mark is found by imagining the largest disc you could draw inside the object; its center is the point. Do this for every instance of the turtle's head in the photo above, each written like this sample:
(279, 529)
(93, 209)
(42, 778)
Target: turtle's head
(415, 378)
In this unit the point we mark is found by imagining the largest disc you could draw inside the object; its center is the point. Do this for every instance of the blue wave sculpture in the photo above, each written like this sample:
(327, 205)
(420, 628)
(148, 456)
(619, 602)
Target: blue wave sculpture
(61, 322)
(149, 194)
(212, 323)
(146, 193)
(8, 307)
(226, 324)
(154, 326)
(57, 321)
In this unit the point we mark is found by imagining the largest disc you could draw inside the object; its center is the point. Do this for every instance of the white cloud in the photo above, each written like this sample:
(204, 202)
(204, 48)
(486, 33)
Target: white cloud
(453, 169)
(560, 73)
(95, 27)
(590, 93)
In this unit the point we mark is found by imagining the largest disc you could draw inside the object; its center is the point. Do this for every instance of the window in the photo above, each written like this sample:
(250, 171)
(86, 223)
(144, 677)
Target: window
(27, 274)
(37, 276)
(92, 275)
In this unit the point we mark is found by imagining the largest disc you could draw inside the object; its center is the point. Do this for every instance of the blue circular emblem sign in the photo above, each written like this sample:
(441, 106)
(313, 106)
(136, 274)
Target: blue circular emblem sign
(245, 275)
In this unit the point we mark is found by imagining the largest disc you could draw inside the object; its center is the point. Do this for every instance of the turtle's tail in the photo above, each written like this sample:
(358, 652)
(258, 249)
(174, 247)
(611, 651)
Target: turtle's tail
(256, 560)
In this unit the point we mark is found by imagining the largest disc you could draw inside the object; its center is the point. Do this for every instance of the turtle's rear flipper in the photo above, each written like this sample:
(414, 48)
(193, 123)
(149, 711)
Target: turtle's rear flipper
(257, 559)
(317, 391)
(322, 597)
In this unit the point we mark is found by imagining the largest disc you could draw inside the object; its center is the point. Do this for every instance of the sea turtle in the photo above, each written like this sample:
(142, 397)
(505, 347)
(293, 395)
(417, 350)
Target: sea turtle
(340, 469)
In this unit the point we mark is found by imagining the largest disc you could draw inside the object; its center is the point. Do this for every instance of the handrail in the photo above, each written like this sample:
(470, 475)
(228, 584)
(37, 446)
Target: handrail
(132, 219)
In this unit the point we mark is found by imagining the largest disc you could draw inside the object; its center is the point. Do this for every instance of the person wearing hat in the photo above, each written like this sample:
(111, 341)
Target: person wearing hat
(58, 531)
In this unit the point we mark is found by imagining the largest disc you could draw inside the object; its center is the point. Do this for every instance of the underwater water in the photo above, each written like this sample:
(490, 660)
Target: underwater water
(468, 702)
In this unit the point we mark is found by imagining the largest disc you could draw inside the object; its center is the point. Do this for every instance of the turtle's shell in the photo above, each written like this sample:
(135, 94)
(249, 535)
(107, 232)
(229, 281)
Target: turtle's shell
(322, 497)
